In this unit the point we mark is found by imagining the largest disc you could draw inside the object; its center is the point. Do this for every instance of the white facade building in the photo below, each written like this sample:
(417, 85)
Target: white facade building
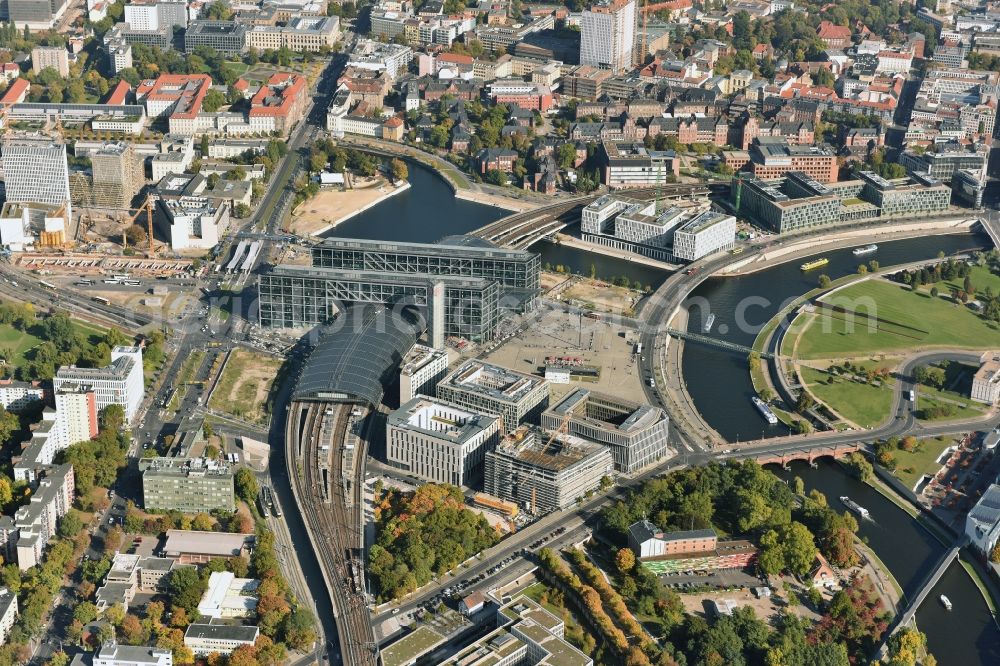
(117, 384)
(982, 524)
(8, 613)
(608, 34)
(204, 639)
(228, 596)
(986, 381)
(704, 234)
(438, 441)
(15, 396)
(195, 222)
(76, 409)
(113, 654)
(35, 171)
(420, 371)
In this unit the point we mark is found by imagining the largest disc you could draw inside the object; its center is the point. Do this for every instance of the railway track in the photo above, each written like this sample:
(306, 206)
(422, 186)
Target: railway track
(333, 527)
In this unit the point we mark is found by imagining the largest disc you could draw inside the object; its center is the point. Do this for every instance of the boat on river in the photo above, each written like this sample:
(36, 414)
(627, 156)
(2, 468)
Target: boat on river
(810, 265)
(855, 507)
(709, 322)
(764, 410)
(946, 602)
(867, 249)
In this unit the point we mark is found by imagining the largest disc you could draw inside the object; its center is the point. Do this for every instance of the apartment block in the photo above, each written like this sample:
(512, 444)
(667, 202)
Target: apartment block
(420, 371)
(636, 434)
(76, 408)
(120, 383)
(35, 523)
(8, 613)
(544, 473)
(54, 57)
(491, 389)
(15, 396)
(440, 442)
(188, 485)
(607, 35)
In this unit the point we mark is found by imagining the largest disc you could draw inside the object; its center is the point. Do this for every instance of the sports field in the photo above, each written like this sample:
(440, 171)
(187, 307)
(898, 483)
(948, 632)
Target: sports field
(877, 316)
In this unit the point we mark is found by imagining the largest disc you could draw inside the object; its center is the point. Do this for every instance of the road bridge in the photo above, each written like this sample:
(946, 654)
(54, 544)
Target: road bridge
(990, 223)
(808, 453)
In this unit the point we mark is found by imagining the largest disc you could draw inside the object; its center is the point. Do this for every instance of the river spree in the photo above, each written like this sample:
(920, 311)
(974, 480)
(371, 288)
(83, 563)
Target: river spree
(719, 381)
(960, 637)
(720, 386)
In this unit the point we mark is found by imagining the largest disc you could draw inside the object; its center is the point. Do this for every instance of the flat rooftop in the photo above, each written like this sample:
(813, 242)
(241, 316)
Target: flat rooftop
(440, 419)
(563, 452)
(492, 380)
(411, 646)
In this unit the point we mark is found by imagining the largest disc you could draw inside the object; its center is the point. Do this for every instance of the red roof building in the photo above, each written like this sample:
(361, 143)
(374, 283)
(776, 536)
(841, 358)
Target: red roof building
(833, 35)
(178, 96)
(16, 92)
(279, 103)
(119, 95)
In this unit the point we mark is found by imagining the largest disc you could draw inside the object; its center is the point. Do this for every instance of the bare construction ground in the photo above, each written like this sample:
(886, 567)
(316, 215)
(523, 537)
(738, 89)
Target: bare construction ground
(598, 343)
(245, 384)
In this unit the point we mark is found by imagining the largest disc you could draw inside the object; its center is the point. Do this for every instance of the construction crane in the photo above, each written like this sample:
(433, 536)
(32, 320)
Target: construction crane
(133, 218)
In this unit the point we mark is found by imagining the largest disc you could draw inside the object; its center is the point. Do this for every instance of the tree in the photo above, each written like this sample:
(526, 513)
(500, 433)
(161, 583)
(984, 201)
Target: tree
(186, 588)
(213, 100)
(115, 614)
(624, 560)
(246, 485)
(995, 554)
(85, 612)
(397, 170)
(71, 524)
(862, 270)
(935, 292)
(824, 281)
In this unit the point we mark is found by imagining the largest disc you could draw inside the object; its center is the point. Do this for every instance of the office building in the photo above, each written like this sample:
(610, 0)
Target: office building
(799, 202)
(120, 383)
(35, 171)
(76, 408)
(279, 104)
(704, 234)
(527, 634)
(774, 157)
(986, 381)
(440, 442)
(123, 33)
(421, 370)
(204, 639)
(188, 485)
(50, 57)
(491, 389)
(155, 14)
(228, 596)
(391, 58)
(196, 223)
(625, 164)
(227, 37)
(8, 613)
(687, 550)
(607, 35)
(119, 55)
(982, 524)
(112, 654)
(543, 472)
(303, 33)
(636, 434)
(679, 231)
(946, 160)
(117, 175)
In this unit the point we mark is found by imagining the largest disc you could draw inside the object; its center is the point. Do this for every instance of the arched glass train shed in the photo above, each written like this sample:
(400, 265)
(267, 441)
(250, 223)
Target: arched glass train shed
(358, 355)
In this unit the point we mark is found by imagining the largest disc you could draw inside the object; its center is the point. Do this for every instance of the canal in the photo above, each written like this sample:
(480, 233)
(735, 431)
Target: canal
(719, 381)
(965, 635)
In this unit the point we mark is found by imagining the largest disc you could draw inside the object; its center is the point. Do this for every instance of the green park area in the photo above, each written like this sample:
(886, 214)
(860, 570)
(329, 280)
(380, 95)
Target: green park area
(877, 316)
(943, 392)
(863, 401)
(911, 465)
